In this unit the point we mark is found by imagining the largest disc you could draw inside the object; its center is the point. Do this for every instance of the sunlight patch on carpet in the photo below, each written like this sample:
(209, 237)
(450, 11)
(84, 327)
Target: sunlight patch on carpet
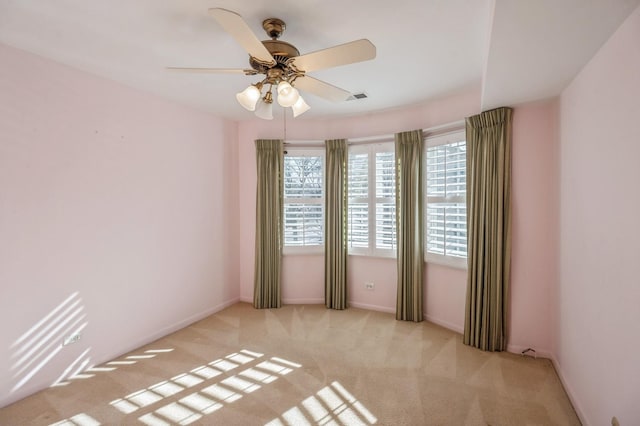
(81, 419)
(214, 397)
(332, 404)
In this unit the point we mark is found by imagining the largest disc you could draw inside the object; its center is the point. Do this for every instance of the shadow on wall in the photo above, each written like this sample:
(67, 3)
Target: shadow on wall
(38, 346)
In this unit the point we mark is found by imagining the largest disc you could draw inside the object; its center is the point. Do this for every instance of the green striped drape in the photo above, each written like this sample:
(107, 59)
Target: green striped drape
(489, 228)
(269, 216)
(335, 230)
(409, 225)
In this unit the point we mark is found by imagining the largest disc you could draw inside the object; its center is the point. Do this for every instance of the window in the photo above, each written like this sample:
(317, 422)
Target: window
(446, 207)
(303, 200)
(372, 200)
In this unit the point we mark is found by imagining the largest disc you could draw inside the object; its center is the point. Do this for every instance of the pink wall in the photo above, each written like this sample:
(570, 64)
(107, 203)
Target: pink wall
(115, 200)
(108, 194)
(303, 276)
(445, 295)
(535, 220)
(309, 290)
(534, 251)
(599, 298)
(382, 272)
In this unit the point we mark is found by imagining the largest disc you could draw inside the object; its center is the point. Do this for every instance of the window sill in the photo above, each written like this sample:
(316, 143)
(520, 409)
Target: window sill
(303, 251)
(448, 261)
(375, 255)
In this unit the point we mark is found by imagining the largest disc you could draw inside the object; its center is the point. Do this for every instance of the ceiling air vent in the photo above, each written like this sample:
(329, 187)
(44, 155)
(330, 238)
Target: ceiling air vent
(357, 96)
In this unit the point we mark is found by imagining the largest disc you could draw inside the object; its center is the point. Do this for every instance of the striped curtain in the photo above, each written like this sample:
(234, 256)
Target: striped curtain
(489, 228)
(335, 230)
(409, 225)
(269, 216)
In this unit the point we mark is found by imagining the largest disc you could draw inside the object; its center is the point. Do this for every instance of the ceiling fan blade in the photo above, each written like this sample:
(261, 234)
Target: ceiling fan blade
(321, 89)
(240, 31)
(211, 70)
(348, 53)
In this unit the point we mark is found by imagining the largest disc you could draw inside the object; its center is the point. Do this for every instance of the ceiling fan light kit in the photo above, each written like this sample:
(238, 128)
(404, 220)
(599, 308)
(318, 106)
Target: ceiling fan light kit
(249, 97)
(282, 66)
(299, 107)
(264, 108)
(287, 94)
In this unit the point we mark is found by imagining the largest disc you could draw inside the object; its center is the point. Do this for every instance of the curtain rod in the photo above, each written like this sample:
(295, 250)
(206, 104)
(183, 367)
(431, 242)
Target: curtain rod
(431, 131)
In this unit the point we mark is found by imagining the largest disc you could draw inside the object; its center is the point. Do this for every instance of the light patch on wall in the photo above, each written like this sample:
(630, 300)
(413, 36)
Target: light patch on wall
(74, 369)
(39, 345)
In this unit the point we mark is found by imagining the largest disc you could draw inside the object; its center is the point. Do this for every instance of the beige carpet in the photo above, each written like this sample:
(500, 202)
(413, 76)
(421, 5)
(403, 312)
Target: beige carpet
(305, 365)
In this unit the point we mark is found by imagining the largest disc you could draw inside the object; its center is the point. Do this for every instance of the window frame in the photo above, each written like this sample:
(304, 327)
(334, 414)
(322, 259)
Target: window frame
(372, 200)
(451, 137)
(311, 248)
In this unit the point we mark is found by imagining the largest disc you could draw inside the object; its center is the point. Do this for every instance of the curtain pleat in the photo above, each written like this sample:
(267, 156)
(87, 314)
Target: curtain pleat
(409, 225)
(269, 213)
(489, 228)
(335, 234)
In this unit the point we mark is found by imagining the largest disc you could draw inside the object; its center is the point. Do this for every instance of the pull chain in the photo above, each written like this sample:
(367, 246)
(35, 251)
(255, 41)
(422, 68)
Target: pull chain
(284, 110)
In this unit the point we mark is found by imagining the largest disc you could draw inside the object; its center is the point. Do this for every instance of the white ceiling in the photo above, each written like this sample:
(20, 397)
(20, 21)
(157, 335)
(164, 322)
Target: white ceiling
(516, 50)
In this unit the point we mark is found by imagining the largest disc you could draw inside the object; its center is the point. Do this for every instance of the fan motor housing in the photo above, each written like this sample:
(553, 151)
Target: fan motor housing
(281, 52)
(281, 48)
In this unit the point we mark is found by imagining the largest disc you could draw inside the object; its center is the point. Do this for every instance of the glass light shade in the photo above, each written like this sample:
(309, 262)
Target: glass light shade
(264, 110)
(249, 97)
(300, 107)
(287, 94)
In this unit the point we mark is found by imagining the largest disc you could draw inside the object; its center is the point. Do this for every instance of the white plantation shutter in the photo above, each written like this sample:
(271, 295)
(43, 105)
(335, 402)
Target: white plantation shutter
(304, 198)
(446, 208)
(303, 225)
(385, 200)
(371, 189)
(446, 224)
(358, 176)
(359, 225)
(386, 226)
(358, 193)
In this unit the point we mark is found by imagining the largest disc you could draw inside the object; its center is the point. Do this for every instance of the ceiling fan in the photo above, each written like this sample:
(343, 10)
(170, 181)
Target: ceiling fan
(282, 66)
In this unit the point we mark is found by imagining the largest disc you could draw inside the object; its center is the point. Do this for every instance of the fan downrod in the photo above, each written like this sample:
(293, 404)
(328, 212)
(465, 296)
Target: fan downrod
(274, 27)
(280, 50)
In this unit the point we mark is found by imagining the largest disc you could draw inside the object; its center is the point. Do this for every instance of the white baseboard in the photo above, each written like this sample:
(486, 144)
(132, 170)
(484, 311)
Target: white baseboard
(290, 301)
(372, 307)
(303, 301)
(169, 329)
(193, 318)
(569, 390)
(321, 302)
(157, 334)
(446, 324)
(540, 353)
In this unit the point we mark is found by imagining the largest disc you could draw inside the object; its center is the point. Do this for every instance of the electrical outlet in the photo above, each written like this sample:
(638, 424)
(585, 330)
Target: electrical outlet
(72, 338)
(369, 286)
